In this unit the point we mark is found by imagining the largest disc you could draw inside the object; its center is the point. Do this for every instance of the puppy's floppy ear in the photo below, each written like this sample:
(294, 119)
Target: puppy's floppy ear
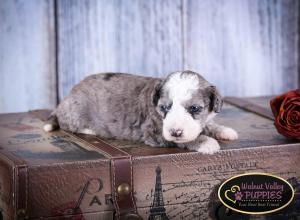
(216, 101)
(156, 92)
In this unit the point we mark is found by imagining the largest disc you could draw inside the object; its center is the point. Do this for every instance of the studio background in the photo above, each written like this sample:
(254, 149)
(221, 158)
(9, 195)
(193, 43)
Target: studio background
(244, 47)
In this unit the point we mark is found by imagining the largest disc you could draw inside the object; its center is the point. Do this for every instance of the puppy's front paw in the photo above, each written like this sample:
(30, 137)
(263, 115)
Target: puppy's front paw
(153, 143)
(227, 134)
(209, 146)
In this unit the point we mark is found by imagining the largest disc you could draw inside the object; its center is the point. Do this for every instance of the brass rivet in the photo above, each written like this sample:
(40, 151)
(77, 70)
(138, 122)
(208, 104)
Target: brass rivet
(123, 189)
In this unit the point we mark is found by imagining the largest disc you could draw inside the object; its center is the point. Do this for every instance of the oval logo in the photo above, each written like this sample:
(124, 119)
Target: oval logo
(256, 193)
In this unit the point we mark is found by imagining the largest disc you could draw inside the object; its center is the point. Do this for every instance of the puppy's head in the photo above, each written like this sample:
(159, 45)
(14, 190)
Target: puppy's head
(186, 102)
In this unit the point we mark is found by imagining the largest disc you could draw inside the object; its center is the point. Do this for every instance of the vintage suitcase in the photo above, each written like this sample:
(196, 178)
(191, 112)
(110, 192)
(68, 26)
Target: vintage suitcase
(60, 175)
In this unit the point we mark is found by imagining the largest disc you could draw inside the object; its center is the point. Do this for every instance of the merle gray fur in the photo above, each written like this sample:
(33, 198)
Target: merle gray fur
(124, 106)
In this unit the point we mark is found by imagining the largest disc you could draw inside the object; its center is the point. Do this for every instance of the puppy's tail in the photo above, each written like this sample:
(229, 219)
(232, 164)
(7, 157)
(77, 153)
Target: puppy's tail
(51, 124)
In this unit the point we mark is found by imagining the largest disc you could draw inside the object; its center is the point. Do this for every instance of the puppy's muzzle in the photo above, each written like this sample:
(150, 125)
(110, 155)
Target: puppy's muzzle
(176, 132)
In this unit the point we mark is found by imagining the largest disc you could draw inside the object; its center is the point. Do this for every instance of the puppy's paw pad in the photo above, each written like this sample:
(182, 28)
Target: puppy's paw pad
(210, 146)
(227, 134)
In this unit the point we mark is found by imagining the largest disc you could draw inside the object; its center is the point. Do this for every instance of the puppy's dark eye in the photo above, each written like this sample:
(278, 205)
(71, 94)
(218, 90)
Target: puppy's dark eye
(165, 108)
(193, 109)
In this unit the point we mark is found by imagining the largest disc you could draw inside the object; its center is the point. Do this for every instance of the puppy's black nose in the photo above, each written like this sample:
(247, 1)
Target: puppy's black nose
(176, 132)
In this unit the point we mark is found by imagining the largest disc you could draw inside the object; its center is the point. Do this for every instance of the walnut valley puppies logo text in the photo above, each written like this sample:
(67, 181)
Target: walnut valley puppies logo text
(256, 193)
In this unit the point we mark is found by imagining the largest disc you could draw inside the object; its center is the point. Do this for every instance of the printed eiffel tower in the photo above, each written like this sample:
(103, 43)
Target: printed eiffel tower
(157, 209)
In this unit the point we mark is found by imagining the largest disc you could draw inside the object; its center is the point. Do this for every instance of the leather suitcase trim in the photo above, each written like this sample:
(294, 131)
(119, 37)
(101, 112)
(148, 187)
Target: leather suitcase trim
(95, 142)
(121, 173)
(21, 189)
(249, 106)
(123, 198)
(20, 181)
